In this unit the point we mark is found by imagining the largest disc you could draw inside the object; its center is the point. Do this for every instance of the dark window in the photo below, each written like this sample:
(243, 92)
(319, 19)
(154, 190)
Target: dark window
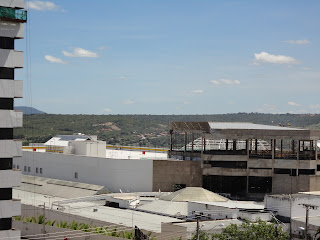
(225, 184)
(6, 73)
(6, 43)
(18, 167)
(5, 223)
(36, 170)
(5, 193)
(318, 167)
(6, 133)
(228, 164)
(28, 169)
(6, 103)
(40, 170)
(5, 163)
(75, 175)
(306, 172)
(25, 168)
(291, 172)
(260, 184)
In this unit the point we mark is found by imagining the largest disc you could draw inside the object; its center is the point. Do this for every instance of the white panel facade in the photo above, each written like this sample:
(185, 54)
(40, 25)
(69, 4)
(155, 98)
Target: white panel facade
(12, 3)
(11, 29)
(10, 208)
(10, 148)
(10, 178)
(10, 119)
(11, 88)
(10, 234)
(115, 174)
(11, 58)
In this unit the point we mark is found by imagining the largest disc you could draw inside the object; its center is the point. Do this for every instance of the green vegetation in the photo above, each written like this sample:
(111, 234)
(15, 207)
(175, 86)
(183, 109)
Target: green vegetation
(249, 231)
(140, 130)
(79, 226)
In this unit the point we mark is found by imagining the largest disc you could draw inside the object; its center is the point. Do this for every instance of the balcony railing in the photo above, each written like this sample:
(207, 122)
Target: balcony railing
(11, 14)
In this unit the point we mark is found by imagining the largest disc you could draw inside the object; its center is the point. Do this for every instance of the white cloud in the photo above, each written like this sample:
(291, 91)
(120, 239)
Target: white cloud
(306, 69)
(197, 91)
(80, 52)
(106, 110)
(294, 104)
(264, 57)
(299, 42)
(186, 102)
(123, 77)
(128, 102)
(53, 59)
(223, 81)
(42, 6)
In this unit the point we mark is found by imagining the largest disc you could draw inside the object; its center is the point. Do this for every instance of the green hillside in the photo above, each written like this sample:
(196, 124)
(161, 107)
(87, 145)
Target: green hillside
(140, 130)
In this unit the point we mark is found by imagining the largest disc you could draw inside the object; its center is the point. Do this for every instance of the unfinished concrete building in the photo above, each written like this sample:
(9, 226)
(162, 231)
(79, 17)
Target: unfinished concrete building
(246, 160)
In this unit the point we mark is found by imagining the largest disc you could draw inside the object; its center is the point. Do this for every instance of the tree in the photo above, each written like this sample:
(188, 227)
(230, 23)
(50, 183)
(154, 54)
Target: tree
(252, 231)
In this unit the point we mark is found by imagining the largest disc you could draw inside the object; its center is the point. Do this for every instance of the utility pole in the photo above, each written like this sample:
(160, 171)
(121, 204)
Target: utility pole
(307, 206)
(198, 227)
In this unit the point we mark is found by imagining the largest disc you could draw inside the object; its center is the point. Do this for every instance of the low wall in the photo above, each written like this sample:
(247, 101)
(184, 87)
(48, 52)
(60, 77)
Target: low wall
(38, 231)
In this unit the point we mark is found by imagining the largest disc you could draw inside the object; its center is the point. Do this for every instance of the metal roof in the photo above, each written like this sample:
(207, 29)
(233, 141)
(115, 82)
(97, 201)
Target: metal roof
(194, 194)
(72, 137)
(58, 188)
(246, 125)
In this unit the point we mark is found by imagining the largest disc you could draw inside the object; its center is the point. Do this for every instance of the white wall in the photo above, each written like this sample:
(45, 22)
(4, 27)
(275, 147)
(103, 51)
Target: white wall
(282, 205)
(115, 174)
(11, 88)
(10, 178)
(10, 208)
(11, 58)
(10, 148)
(12, 3)
(10, 119)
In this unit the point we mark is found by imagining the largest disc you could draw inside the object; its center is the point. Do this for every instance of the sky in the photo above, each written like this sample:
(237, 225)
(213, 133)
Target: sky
(171, 57)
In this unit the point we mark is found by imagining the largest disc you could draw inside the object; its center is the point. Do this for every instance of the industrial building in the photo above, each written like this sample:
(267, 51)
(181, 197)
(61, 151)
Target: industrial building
(246, 160)
(86, 161)
(12, 19)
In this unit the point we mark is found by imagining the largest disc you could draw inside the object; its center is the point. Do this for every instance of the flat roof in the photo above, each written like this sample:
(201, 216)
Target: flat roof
(244, 130)
(235, 204)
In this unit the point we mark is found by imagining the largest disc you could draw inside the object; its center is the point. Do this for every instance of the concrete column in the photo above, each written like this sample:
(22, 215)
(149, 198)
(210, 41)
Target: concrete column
(227, 143)
(281, 146)
(273, 143)
(234, 145)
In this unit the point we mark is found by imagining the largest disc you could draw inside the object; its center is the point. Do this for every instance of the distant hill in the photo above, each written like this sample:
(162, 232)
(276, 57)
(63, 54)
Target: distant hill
(28, 110)
(140, 130)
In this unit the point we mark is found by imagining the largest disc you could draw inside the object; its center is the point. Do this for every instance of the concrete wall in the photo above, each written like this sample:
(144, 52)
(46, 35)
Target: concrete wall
(171, 231)
(11, 89)
(286, 207)
(285, 184)
(10, 119)
(11, 58)
(10, 148)
(32, 229)
(167, 173)
(12, 3)
(127, 175)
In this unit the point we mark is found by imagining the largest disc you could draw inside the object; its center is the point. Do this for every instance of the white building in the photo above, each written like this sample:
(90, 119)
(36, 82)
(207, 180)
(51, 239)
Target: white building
(12, 18)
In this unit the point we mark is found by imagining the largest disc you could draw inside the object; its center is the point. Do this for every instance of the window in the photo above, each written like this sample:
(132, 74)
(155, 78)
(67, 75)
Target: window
(6, 133)
(41, 170)
(14, 166)
(25, 168)
(76, 175)
(28, 169)
(36, 170)
(6, 103)
(5, 163)
(18, 167)
(6, 43)
(6, 73)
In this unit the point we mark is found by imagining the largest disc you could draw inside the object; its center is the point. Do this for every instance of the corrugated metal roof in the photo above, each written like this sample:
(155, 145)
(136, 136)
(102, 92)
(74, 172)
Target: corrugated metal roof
(247, 125)
(58, 188)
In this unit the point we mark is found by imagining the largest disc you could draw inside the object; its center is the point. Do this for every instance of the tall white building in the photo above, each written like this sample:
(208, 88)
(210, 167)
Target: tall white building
(12, 19)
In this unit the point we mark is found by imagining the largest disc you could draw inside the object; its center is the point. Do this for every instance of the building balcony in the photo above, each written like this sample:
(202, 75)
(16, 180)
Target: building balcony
(10, 208)
(11, 58)
(10, 119)
(10, 148)
(11, 14)
(11, 88)
(12, 3)
(12, 234)
(10, 178)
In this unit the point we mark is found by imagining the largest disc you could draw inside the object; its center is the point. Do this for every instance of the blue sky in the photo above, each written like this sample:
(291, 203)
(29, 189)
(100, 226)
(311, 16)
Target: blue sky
(171, 57)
